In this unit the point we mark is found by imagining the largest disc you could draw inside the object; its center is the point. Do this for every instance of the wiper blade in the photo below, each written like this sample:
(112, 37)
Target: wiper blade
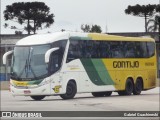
(32, 72)
(24, 69)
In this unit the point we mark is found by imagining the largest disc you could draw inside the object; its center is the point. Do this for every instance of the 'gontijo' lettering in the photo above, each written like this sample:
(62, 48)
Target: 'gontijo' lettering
(125, 64)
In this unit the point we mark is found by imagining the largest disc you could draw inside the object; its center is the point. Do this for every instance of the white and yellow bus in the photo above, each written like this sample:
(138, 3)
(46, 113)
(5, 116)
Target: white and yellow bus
(66, 63)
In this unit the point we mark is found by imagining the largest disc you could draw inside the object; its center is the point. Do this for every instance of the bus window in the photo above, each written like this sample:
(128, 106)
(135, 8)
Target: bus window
(55, 61)
(141, 50)
(129, 49)
(144, 49)
(73, 52)
(57, 56)
(116, 49)
(109, 49)
(60, 44)
(151, 48)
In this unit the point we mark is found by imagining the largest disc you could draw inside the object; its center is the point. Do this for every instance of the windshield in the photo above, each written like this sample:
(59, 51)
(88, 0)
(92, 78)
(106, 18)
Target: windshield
(29, 62)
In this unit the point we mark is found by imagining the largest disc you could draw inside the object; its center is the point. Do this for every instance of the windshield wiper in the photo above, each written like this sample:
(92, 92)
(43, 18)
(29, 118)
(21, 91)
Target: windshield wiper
(29, 63)
(27, 68)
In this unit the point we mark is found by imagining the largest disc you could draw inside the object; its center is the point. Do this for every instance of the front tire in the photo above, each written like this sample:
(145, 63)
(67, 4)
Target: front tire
(70, 91)
(38, 97)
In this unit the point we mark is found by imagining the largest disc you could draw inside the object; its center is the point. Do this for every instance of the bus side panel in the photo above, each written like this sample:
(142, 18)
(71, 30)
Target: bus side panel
(141, 74)
(122, 76)
(150, 66)
(151, 78)
(74, 70)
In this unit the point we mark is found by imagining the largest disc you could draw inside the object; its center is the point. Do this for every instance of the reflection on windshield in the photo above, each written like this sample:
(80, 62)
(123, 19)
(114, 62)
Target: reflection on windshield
(29, 63)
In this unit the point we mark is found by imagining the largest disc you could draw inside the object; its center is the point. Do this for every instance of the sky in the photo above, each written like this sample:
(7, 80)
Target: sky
(71, 14)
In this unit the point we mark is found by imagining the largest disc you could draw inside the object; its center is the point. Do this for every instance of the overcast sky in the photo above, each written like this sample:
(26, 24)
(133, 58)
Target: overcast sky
(70, 14)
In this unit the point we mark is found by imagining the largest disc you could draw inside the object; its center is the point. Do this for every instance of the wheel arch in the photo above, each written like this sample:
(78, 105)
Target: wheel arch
(72, 80)
(70, 90)
(66, 83)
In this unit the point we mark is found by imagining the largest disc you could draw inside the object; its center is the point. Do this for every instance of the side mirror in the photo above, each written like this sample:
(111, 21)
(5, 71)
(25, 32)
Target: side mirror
(5, 56)
(48, 53)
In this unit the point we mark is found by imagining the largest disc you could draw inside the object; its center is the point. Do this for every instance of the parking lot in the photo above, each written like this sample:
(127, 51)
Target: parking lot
(147, 101)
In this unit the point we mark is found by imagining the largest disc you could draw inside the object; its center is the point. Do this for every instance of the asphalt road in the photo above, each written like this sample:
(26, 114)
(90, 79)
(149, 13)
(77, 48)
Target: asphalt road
(147, 101)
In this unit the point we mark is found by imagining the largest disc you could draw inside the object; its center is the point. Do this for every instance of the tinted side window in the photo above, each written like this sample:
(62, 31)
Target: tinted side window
(150, 48)
(74, 50)
(116, 49)
(109, 49)
(61, 44)
(88, 49)
(141, 50)
(57, 56)
(55, 62)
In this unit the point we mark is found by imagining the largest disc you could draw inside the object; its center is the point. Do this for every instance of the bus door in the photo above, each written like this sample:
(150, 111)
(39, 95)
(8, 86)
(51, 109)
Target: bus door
(54, 67)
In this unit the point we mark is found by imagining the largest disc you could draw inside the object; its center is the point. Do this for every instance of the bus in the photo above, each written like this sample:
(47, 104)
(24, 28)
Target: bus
(67, 63)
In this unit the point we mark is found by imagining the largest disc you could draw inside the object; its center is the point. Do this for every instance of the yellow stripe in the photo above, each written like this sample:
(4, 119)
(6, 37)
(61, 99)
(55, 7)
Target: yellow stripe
(97, 36)
(19, 83)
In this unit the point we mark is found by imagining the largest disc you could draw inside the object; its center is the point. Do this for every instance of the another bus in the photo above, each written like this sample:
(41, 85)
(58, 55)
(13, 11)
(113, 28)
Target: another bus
(66, 63)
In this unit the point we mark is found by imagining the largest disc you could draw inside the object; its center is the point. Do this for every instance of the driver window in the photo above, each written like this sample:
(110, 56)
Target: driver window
(55, 61)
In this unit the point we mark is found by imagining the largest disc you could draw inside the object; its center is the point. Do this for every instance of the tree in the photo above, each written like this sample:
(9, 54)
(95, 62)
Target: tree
(158, 11)
(85, 28)
(153, 24)
(93, 28)
(96, 28)
(145, 11)
(34, 15)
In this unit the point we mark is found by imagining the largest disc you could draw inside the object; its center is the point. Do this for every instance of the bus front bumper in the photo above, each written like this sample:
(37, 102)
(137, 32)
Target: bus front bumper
(29, 91)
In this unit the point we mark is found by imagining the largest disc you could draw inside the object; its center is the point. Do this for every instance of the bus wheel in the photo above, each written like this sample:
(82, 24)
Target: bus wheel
(128, 88)
(71, 91)
(98, 94)
(121, 93)
(40, 97)
(108, 93)
(101, 94)
(138, 87)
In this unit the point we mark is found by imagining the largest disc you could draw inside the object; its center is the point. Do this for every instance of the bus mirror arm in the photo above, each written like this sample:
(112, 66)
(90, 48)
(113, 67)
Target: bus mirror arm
(5, 56)
(48, 53)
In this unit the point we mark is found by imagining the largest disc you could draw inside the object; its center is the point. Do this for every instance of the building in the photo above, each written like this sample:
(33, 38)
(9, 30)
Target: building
(7, 43)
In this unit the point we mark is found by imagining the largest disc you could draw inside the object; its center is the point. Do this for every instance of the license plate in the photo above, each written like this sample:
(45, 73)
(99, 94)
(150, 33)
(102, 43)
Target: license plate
(27, 91)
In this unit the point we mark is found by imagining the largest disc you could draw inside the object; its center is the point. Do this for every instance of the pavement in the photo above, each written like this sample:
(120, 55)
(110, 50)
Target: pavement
(147, 101)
